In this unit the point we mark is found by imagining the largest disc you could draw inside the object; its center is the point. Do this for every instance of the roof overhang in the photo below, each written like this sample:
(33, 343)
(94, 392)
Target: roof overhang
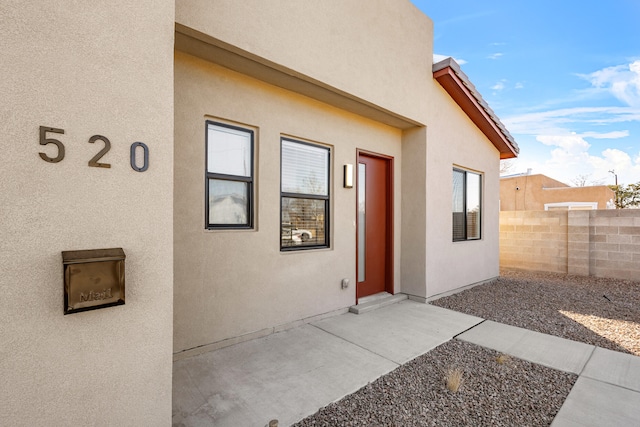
(460, 88)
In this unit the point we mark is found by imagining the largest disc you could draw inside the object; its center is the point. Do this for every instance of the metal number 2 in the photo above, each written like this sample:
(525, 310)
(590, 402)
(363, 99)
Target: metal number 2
(44, 141)
(107, 146)
(145, 151)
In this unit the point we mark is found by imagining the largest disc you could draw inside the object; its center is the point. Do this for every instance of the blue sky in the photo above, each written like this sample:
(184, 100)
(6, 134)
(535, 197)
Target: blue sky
(563, 76)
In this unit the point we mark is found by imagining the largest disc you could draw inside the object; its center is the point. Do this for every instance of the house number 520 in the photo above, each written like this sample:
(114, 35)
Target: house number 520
(94, 162)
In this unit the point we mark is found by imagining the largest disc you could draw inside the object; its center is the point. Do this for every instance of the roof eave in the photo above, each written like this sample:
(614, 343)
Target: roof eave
(458, 86)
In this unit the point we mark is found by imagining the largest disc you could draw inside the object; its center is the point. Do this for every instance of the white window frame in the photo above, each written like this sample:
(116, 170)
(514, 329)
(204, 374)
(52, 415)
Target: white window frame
(571, 206)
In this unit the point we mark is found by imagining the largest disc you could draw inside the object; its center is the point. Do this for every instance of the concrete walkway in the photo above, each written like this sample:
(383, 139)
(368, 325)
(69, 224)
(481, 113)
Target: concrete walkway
(291, 374)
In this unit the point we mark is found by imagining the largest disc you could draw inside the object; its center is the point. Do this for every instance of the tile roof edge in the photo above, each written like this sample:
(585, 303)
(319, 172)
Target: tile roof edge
(453, 65)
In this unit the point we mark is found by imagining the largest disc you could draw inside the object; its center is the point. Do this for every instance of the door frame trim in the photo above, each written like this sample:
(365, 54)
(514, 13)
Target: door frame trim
(389, 279)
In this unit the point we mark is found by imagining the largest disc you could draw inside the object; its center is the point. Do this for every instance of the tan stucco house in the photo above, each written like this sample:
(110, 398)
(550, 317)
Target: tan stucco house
(537, 192)
(259, 163)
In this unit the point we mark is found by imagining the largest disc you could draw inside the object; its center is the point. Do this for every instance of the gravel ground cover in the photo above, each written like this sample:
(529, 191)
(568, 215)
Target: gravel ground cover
(496, 391)
(598, 311)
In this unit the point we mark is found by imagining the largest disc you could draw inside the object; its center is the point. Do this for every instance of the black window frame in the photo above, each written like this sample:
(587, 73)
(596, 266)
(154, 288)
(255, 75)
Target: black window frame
(235, 178)
(466, 237)
(305, 196)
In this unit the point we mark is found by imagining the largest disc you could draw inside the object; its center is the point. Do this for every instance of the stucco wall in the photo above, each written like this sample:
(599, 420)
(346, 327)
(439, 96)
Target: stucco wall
(230, 283)
(381, 53)
(453, 140)
(414, 211)
(88, 68)
(601, 243)
(380, 57)
(531, 192)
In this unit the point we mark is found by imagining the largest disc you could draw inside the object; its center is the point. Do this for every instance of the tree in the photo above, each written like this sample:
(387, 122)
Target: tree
(505, 166)
(583, 180)
(627, 196)
(580, 180)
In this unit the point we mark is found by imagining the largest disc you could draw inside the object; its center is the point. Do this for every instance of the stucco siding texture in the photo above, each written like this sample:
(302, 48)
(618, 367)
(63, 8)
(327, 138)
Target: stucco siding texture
(453, 140)
(381, 53)
(532, 192)
(414, 210)
(235, 282)
(87, 69)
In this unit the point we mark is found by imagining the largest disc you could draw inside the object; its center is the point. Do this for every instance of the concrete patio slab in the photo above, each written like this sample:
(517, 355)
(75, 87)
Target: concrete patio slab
(547, 350)
(284, 376)
(614, 368)
(186, 397)
(399, 332)
(291, 374)
(593, 403)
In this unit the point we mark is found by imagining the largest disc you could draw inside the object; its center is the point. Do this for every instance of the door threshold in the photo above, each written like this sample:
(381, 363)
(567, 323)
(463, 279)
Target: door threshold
(375, 301)
(374, 297)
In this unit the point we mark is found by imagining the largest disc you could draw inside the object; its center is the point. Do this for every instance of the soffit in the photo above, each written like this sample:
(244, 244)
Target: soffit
(460, 88)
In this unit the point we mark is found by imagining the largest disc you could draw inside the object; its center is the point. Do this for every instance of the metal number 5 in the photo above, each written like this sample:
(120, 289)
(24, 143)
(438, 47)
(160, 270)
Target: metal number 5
(44, 141)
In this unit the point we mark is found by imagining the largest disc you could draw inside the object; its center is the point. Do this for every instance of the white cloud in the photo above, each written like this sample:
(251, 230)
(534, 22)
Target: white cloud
(519, 85)
(622, 81)
(563, 153)
(570, 157)
(606, 135)
(571, 144)
(612, 159)
(495, 55)
(499, 86)
(437, 58)
(557, 122)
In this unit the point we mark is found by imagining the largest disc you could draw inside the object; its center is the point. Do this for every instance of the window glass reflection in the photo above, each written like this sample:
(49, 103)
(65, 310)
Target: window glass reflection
(227, 202)
(362, 182)
(229, 151)
(303, 222)
(304, 169)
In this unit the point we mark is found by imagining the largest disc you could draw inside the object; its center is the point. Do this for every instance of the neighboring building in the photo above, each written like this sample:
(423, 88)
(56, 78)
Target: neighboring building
(526, 192)
(279, 148)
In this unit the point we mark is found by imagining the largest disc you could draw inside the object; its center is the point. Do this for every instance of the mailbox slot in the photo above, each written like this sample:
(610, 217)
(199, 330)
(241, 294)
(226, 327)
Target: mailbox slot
(93, 279)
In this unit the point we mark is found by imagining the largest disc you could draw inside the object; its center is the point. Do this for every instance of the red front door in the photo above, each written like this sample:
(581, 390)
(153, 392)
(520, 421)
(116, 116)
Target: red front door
(374, 231)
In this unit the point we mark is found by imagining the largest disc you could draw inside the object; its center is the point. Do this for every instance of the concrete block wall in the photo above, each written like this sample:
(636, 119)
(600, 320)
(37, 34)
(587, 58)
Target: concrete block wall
(578, 246)
(614, 244)
(534, 240)
(601, 243)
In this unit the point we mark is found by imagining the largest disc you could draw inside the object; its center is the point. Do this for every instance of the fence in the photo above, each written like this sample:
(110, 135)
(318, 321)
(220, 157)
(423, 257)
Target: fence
(601, 243)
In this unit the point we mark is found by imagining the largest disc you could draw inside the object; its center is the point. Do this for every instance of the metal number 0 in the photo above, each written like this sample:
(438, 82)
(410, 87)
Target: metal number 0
(145, 162)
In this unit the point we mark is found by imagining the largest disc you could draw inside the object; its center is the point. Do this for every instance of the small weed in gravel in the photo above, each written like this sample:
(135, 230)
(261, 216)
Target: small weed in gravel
(515, 393)
(502, 358)
(453, 379)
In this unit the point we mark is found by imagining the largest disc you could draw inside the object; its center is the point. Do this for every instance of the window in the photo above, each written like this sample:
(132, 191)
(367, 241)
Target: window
(304, 195)
(467, 205)
(229, 177)
(571, 206)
